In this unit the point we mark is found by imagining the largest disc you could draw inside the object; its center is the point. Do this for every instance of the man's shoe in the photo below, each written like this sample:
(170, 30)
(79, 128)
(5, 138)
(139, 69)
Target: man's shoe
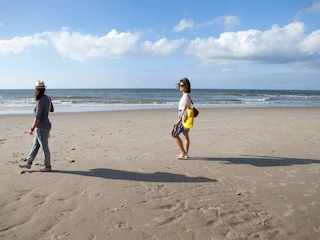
(45, 169)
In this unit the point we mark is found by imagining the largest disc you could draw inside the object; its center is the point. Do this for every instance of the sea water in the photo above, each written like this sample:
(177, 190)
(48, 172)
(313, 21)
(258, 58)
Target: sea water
(85, 100)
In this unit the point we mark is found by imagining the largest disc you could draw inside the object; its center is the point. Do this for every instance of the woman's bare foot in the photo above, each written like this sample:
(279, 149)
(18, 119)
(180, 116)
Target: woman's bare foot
(28, 166)
(182, 156)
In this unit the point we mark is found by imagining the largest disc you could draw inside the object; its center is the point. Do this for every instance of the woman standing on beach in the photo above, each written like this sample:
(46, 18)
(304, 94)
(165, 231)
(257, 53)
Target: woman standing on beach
(184, 103)
(42, 125)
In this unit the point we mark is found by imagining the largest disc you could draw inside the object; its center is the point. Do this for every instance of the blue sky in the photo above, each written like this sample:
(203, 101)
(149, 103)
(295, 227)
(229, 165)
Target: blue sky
(246, 44)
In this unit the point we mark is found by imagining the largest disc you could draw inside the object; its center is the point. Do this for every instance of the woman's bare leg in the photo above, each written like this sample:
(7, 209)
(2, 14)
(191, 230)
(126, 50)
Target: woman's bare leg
(183, 153)
(186, 142)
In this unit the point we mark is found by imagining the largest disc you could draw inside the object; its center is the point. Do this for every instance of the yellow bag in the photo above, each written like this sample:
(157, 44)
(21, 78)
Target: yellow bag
(188, 123)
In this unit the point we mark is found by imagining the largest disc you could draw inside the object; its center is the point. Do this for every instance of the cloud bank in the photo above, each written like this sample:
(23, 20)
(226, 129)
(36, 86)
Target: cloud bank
(278, 45)
(21, 44)
(82, 47)
(162, 46)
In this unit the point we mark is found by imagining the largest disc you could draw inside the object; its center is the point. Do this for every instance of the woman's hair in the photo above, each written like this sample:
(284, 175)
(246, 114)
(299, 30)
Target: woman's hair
(186, 83)
(39, 93)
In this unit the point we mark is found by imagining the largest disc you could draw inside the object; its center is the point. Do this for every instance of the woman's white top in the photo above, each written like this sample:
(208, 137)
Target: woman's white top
(184, 100)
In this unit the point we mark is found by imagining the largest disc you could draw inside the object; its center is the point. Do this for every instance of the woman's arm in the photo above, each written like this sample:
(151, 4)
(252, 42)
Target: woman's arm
(51, 108)
(34, 125)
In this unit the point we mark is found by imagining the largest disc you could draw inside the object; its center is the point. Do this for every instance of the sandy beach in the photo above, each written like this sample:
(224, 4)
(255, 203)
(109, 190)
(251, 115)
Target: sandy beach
(253, 173)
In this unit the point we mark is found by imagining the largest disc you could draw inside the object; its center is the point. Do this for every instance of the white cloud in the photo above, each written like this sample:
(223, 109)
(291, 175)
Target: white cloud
(227, 21)
(81, 47)
(162, 46)
(77, 46)
(287, 44)
(230, 21)
(183, 24)
(311, 43)
(315, 8)
(20, 44)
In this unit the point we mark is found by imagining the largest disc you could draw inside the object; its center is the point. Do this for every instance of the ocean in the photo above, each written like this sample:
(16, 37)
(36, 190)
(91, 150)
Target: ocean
(85, 100)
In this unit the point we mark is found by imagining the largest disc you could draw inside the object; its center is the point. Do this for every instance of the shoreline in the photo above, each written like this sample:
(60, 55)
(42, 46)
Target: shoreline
(160, 109)
(253, 173)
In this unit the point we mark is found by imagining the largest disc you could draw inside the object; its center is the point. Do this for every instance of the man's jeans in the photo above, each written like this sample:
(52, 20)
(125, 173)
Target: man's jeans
(40, 139)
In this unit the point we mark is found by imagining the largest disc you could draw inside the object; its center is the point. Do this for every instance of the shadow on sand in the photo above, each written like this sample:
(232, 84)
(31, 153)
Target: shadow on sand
(259, 161)
(137, 176)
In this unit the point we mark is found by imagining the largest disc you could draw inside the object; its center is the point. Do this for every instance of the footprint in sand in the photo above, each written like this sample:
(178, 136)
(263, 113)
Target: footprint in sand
(309, 192)
(317, 229)
(62, 236)
(231, 235)
(314, 170)
(123, 226)
(266, 174)
(159, 219)
(288, 212)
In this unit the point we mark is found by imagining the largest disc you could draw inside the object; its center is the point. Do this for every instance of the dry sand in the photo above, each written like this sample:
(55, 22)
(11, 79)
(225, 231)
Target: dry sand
(253, 174)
